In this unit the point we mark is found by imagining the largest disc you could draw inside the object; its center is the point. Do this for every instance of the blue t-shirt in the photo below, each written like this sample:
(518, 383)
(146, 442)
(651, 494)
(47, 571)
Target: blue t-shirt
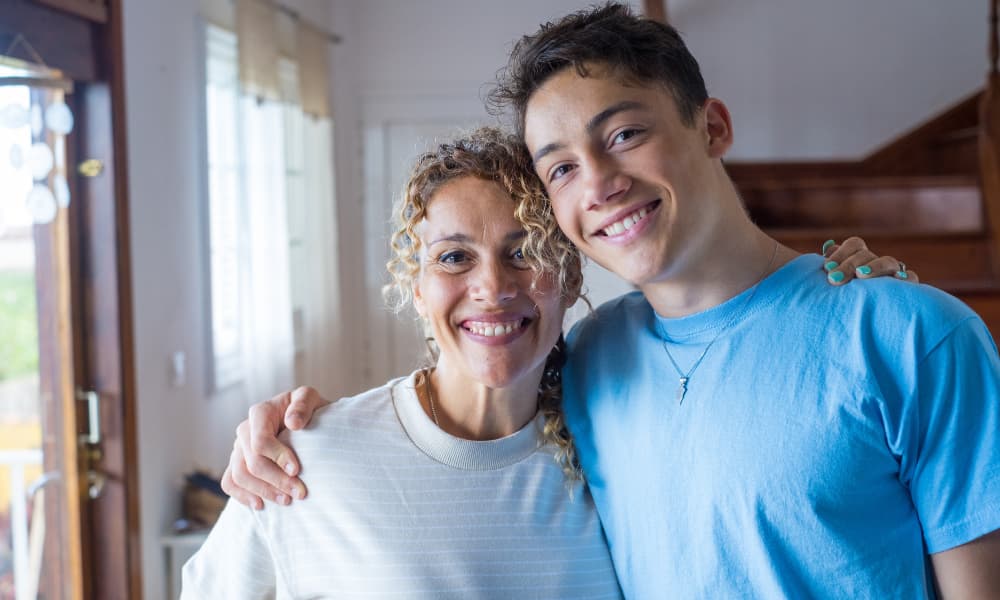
(829, 440)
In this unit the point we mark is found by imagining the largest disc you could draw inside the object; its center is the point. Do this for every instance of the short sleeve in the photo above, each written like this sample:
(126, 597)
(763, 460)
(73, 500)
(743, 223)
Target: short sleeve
(954, 477)
(234, 563)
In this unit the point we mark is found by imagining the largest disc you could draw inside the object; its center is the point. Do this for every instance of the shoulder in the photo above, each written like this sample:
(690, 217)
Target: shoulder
(885, 310)
(348, 419)
(903, 314)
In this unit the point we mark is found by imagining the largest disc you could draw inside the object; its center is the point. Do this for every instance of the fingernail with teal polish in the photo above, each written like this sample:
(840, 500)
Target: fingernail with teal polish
(836, 277)
(902, 274)
(826, 246)
(831, 265)
(864, 270)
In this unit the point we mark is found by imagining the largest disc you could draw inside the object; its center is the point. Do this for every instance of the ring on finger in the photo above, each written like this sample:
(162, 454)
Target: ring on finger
(901, 271)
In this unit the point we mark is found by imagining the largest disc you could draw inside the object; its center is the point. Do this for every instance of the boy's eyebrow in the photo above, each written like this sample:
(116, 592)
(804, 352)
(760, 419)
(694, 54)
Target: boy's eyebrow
(599, 119)
(595, 122)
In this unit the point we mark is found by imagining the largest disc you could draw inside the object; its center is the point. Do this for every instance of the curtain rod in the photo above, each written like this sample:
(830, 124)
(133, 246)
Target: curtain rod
(333, 38)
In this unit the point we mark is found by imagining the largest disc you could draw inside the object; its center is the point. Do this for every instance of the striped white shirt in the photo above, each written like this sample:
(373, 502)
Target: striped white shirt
(398, 508)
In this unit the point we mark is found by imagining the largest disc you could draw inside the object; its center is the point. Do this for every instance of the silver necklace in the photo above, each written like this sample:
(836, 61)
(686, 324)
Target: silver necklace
(430, 395)
(683, 377)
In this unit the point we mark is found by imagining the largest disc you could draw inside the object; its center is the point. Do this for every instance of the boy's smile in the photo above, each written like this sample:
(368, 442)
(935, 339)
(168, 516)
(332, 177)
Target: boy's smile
(630, 183)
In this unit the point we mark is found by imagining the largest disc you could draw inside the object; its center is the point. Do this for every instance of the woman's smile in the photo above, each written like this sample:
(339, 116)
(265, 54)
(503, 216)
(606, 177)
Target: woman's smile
(492, 319)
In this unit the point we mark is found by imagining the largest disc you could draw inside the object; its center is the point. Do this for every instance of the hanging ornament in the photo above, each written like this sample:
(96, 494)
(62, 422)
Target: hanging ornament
(61, 189)
(13, 116)
(40, 160)
(41, 204)
(16, 157)
(59, 118)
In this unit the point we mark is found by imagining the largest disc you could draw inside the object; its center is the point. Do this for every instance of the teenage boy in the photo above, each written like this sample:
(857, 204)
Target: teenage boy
(746, 430)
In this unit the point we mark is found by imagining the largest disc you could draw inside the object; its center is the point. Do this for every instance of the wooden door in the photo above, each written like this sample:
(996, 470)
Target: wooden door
(80, 511)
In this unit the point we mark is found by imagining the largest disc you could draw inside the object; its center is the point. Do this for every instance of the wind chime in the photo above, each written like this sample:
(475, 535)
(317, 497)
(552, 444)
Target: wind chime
(34, 123)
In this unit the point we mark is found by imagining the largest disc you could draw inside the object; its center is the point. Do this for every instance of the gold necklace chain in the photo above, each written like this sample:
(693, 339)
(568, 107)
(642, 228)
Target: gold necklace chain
(685, 377)
(430, 396)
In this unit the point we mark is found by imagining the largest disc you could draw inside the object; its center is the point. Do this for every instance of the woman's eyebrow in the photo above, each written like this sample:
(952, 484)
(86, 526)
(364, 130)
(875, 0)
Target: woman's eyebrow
(455, 237)
(513, 236)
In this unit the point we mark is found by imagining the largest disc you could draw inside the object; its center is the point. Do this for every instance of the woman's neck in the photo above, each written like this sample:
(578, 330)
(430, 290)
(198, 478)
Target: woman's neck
(470, 410)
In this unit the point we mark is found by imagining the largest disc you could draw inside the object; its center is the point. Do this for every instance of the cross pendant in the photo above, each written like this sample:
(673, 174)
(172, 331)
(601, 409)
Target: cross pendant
(682, 389)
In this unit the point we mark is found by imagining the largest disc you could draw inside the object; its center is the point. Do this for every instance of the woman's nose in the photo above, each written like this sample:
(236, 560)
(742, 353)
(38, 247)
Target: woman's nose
(494, 282)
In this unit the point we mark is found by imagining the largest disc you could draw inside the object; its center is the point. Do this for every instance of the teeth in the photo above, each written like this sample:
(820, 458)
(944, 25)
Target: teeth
(626, 223)
(493, 329)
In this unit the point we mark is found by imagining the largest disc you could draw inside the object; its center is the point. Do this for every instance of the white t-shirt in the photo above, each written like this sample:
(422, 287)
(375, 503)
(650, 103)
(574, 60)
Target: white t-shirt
(398, 508)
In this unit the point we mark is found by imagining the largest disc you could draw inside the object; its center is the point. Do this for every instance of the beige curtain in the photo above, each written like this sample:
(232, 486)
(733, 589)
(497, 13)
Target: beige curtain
(313, 72)
(256, 30)
(265, 34)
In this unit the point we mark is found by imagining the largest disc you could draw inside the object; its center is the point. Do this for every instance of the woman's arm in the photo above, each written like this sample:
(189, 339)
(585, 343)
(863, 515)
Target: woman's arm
(852, 259)
(234, 563)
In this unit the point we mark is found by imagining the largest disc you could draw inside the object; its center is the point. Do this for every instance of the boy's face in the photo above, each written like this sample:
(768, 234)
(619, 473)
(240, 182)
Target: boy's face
(631, 185)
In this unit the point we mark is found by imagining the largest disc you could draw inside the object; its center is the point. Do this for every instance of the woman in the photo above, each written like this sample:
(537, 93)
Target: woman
(442, 484)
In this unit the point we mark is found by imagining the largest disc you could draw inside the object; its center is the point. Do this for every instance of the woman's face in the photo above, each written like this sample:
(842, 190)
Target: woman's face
(475, 288)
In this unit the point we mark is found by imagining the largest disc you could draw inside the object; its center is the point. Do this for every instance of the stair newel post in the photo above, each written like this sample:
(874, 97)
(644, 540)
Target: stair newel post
(989, 143)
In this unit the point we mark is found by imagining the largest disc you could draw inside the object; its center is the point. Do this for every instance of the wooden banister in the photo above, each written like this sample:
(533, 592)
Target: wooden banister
(989, 142)
(655, 10)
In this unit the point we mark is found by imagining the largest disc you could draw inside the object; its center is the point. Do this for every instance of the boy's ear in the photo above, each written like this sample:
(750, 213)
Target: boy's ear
(719, 126)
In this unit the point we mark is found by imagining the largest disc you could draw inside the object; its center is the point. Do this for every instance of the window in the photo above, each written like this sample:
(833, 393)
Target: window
(225, 214)
(295, 124)
(271, 223)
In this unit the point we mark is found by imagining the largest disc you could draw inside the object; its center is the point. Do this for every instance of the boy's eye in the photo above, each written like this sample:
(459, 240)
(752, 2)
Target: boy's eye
(625, 135)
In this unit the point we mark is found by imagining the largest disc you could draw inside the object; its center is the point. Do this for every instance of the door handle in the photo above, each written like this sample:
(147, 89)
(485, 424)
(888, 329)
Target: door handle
(90, 443)
(91, 167)
(93, 400)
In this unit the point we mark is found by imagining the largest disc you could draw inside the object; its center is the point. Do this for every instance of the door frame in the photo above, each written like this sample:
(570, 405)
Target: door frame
(90, 52)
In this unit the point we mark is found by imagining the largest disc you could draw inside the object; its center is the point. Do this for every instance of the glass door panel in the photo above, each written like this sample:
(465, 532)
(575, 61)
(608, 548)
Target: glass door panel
(40, 500)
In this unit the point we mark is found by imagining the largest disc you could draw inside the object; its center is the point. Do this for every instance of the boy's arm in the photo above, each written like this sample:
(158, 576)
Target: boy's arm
(971, 570)
(954, 471)
(260, 466)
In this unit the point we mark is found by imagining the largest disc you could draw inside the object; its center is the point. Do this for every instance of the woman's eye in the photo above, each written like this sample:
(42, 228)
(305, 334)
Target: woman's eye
(517, 254)
(452, 258)
(559, 172)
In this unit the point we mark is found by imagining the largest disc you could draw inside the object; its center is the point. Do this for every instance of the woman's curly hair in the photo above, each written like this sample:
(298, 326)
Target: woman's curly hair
(493, 155)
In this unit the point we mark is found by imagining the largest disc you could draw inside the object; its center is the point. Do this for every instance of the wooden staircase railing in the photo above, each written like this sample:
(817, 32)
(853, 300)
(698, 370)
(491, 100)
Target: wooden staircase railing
(989, 143)
(931, 196)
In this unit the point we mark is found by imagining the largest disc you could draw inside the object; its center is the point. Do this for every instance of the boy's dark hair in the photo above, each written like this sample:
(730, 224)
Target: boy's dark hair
(636, 49)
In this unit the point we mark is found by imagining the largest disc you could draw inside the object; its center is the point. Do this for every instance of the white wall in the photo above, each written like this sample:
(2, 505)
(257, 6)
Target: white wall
(820, 79)
(804, 78)
(182, 427)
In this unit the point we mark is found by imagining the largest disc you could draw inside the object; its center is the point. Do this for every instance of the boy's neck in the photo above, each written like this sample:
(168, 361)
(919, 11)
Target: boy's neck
(737, 258)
